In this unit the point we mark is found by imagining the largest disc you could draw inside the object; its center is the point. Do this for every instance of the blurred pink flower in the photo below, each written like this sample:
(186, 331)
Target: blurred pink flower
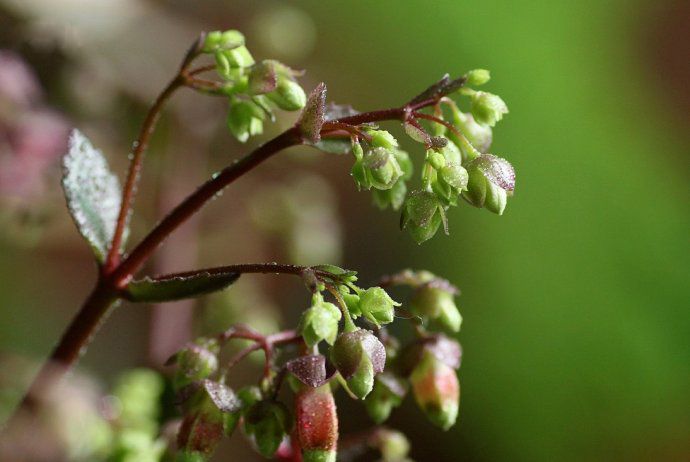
(32, 136)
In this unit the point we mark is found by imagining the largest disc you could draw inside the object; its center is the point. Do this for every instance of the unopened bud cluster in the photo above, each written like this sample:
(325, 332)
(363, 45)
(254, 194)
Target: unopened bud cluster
(254, 89)
(456, 165)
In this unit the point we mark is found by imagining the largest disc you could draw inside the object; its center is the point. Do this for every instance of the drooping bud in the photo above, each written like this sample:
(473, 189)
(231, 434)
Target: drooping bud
(477, 77)
(436, 390)
(491, 178)
(381, 168)
(480, 136)
(393, 445)
(288, 95)
(422, 215)
(317, 424)
(263, 78)
(239, 57)
(435, 300)
(387, 394)
(218, 40)
(320, 321)
(268, 423)
(245, 119)
(488, 108)
(395, 196)
(382, 139)
(377, 306)
(451, 180)
(196, 361)
(358, 356)
(216, 413)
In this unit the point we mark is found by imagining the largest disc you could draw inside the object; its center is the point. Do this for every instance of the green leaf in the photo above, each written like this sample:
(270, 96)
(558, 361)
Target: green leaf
(179, 286)
(93, 193)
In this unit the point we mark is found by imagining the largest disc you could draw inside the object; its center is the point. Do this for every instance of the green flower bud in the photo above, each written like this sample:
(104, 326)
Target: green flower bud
(436, 159)
(377, 306)
(358, 356)
(488, 108)
(449, 182)
(387, 394)
(381, 168)
(359, 174)
(245, 119)
(268, 423)
(477, 77)
(451, 153)
(480, 136)
(490, 181)
(320, 322)
(288, 95)
(222, 40)
(195, 362)
(239, 57)
(436, 390)
(422, 215)
(353, 306)
(362, 381)
(382, 139)
(393, 197)
(393, 445)
(496, 199)
(405, 163)
(317, 424)
(436, 301)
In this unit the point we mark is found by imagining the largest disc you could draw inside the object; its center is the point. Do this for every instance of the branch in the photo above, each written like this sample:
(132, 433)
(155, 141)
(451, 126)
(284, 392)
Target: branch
(133, 174)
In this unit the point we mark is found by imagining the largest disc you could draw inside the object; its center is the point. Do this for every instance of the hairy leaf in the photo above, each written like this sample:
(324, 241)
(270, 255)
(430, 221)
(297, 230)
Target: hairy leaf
(93, 193)
(313, 114)
(177, 287)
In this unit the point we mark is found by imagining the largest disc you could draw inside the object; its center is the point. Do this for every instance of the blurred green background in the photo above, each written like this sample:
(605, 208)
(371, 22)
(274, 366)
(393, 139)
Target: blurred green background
(575, 302)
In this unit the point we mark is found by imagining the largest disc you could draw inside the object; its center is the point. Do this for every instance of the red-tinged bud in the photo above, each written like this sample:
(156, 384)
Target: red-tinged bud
(436, 390)
(317, 424)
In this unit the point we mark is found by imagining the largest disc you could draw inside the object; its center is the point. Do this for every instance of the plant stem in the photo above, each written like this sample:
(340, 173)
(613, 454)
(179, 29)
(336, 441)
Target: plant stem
(123, 273)
(133, 174)
(118, 274)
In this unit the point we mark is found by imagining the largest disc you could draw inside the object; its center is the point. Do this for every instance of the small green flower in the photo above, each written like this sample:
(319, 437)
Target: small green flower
(218, 40)
(422, 215)
(477, 77)
(288, 95)
(491, 180)
(195, 362)
(436, 389)
(387, 394)
(320, 322)
(435, 302)
(488, 108)
(245, 119)
(377, 306)
(268, 423)
(358, 356)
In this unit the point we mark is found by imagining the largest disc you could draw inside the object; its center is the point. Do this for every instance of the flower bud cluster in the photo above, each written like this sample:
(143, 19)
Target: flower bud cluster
(253, 88)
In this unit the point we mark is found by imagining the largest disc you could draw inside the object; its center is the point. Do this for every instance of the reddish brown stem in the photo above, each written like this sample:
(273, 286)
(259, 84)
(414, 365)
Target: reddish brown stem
(147, 128)
(114, 280)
